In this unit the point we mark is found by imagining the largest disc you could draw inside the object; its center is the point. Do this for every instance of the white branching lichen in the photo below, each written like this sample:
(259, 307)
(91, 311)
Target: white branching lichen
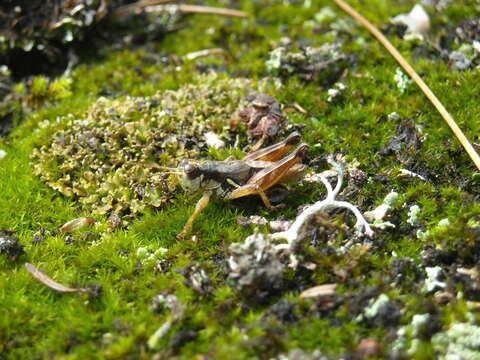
(256, 263)
(294, 233)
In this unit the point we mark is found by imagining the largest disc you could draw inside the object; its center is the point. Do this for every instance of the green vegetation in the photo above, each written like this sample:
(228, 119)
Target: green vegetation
(41, 188)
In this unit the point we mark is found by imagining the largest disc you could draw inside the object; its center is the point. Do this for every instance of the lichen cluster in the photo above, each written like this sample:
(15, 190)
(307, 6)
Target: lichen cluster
(308, 63)
(255, 268)
(101, 157)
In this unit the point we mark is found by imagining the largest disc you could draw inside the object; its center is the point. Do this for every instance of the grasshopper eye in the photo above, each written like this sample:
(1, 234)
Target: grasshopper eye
(259, 105)
(191, 171)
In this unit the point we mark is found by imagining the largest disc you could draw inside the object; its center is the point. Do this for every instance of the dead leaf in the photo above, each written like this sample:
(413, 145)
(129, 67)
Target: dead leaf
(52, 284)
(76, 224)
(319, 291)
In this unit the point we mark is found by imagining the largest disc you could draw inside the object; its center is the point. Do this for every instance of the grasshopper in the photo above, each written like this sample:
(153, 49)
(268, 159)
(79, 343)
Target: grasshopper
(257, 174)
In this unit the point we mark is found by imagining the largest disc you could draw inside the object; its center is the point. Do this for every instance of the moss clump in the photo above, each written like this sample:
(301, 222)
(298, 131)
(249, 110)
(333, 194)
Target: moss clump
(99, 157)
(44, 91)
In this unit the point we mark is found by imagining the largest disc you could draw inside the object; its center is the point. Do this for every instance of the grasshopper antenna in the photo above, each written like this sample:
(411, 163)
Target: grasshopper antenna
(170, 170)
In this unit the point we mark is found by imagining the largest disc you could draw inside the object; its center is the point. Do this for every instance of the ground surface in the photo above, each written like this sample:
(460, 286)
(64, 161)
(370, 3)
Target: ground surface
(413, 288)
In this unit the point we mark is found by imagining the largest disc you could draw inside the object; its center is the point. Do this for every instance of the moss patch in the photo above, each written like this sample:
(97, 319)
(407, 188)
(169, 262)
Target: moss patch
(70, 158)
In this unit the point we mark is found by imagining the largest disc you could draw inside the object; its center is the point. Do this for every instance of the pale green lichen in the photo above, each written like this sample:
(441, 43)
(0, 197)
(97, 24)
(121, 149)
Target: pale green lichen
(378, 214)
(325, 15)
(150, 254)
(100, 157)
(402, 80)
(460, 341)
(375, 305)
(406, 335)
(413, 214)
(444, 223)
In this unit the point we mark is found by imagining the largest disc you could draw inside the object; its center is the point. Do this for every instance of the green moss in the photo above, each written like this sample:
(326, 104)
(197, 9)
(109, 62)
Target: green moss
(143, 98)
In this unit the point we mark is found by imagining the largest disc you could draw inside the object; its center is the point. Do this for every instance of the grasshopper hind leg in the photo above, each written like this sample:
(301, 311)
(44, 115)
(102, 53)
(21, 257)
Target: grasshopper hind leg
(201, 204)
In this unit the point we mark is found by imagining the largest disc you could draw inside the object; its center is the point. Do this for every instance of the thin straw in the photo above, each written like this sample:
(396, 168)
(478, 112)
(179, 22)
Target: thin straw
(418, 80)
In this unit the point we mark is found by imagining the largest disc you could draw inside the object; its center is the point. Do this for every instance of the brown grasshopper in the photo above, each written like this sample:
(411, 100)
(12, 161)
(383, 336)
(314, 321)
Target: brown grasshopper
(257, 174)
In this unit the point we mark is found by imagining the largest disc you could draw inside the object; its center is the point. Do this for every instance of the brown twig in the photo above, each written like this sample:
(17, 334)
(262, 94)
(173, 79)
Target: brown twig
(418, 80)
(52, 284)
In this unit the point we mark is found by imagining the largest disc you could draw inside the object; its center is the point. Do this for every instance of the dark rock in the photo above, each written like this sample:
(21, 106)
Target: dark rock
(283, 310)
(181, 338)
(10, 245)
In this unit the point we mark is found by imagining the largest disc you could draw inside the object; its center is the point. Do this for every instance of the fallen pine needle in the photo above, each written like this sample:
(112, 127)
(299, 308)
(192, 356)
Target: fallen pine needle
(52, 284)
(418, 80)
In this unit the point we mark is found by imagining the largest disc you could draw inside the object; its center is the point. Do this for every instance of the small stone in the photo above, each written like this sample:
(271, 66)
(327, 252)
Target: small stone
(369, 347)
(444, 298)
(115, 221)
(3, 153)
(10, 245)
(255, 269)
(417, 20)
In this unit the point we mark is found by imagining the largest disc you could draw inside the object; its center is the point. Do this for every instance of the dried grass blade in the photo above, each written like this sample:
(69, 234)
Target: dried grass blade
(197, 9)
(48, 281)
(125, 9)
(418, 80)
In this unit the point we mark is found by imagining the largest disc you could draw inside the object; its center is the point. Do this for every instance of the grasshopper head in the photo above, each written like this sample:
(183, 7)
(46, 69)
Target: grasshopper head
(191, 178)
